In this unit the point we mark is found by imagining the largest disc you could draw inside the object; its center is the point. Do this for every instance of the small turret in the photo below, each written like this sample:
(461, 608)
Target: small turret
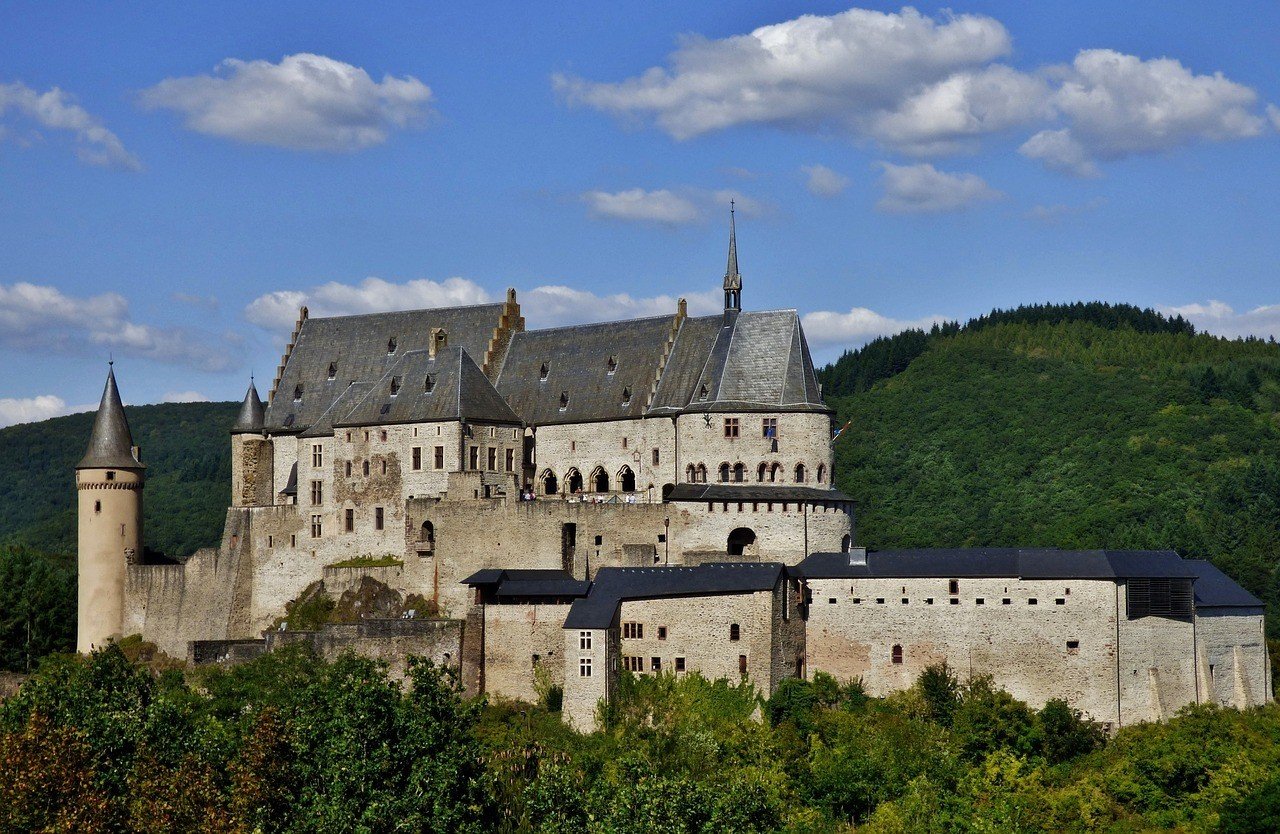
(252, 413)
(732, 280)
(109, 482)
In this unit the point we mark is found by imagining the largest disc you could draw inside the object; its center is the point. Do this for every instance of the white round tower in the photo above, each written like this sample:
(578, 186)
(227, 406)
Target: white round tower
(109, 481)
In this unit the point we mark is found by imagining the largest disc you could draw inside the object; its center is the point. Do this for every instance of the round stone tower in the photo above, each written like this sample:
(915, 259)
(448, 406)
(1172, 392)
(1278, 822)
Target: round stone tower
(109, 482)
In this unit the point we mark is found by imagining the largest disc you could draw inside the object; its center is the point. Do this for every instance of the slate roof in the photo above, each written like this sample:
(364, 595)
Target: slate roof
(599, 609)
(577, 362)
(357, 347)
(252, 412)
(978, 562)
(459, 391)
(529, 583)
(111, 443)
(1214, 589)
(753, 492)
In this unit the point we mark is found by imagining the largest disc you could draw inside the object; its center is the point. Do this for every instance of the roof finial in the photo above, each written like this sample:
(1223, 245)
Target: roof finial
(732, 280)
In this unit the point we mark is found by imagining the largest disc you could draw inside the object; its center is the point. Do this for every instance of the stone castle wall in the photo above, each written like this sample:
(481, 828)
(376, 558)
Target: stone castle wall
(802, 438)
(520, 640)
(1232, 657)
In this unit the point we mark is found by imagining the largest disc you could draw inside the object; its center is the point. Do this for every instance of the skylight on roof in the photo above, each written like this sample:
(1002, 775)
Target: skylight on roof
(542, 374)
(391, 345)
(395, 385)
(333, 370)
(612, 364)
(564, 400)
(429, 384)
(626, 396)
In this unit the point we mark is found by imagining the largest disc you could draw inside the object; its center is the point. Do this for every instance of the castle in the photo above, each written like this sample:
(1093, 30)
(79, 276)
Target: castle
(551, 507)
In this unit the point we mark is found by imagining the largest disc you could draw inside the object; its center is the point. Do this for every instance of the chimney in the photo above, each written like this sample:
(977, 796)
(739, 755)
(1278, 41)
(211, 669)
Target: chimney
(857, 556)
(439, 341)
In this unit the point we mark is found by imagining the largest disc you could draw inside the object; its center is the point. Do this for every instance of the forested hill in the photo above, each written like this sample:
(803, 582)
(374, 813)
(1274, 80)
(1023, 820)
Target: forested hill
(1074, 434)
(186, 447)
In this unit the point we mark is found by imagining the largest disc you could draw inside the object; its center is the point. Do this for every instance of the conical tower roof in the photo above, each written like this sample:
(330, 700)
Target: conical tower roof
(111, 444)
(252, 413)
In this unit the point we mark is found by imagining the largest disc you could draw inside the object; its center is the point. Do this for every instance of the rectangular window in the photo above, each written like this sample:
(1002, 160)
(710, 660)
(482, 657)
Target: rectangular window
(679, 664)
(633, 631)
(769, 427)
(317, 455)
(953, 586)
(511, 460)
(731, 427)
(1073, 647)
(349, 521)
(633, 664)
(439, 457)
(584, 641)
(624, 443)
(662, 632)
(475, 458)
(417, 458)
(493, 459)
(317, 493)
(655, 664)
(271, 541)
(377, 518)
(657, 456)
(584, 667)
(316, 529)
(742, 665)
(293, 541)
(1060, 601)
(348, 469)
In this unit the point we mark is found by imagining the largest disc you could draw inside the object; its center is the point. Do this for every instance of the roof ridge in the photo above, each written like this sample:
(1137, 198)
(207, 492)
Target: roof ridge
(371, 314)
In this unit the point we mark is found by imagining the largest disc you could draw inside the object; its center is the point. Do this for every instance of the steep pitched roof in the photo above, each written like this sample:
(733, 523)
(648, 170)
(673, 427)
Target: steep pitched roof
(357, 349)
(1214, 589)
(457, 390)
(251, 413)
(110, 444)
(577, 365)
(614, 585)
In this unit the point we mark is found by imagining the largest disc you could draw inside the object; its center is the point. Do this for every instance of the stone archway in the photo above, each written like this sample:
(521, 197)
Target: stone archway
(740, 540)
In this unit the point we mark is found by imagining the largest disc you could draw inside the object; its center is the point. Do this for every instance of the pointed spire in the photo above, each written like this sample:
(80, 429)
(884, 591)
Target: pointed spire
(252, 412)
(111, 444)
(732, 280)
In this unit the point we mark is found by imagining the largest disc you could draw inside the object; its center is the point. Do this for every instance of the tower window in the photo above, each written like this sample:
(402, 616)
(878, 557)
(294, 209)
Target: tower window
(111, 476)
(391, 345)
(897, 654)
(377, 518)
(349, 520)
(97, 506)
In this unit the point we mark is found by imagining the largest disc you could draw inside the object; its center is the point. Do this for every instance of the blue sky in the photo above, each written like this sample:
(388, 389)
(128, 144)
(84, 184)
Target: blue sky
(176, 179)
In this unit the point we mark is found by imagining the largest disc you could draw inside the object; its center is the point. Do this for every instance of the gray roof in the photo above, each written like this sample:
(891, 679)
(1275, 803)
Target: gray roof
(599, 609)
(978, 562)
(745, 362)
(356, 346)
(753, 492)
(110, 444)
(459, 390)
(1214, 589)
(529, 582)
(251, 414)
(577, 362)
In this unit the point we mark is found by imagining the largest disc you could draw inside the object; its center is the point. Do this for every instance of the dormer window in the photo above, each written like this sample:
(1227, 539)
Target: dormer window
(613, 364)
(626, 396)
(395, 385)
(429, 385)
(391, 345)
(333, 370)
(702, 393)
(564, 400)
(297, 393)
(542, 374)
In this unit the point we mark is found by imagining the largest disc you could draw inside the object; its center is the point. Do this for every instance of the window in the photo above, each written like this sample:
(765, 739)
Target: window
(955, 601)
(493, 459)
(293, 541)
(543, 372)
(742, 665)
(511, 460)
(800, 473)
(1073, 647)
(897, 654)
(662, 632)
(979, 601)
(349, 521)
(633, 631)
(731, 427)
(317, 456)
(724, 472)
(364, 468)
(624, 442)
(1006, 601)
(626, 396)
(271, 541)
(832, 601)
(348, 469)
(739, 473)
(584, 641)
(564, 400)
(391, 345)
(317, 493)
(297, 393)
(1032, 601)
(382, 435)
(953, 586)
(735, 632)
(475, 457)
(417, 458)
(395, 386)
(633, 664)
(439, 457)
(657, 456)
(316, 528)
(612, 364)
(333, 370)
(655, 664)
(1060, 601)
(377, 518)
(702, 392)
(584, 667)
(384, 466)
(769, 427)
(879, 600)
(822, 472)
(97, 506)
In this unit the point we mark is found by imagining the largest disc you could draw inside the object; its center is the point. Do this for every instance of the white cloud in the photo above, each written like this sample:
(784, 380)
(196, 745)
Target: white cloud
(36, 318)
(824, 182)
(56, 110)
(921, 188)
(1273, 113)
(825, 329)
(184, 397)
(1221, 319)
(1118, 105)
(31, 409)
(545, 306)
(859, 72)
(636, 204)
(305, 102)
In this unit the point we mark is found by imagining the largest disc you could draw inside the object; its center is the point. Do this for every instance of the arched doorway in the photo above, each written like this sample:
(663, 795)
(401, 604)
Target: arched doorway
(427, 539)
(573, 481)
(667, 489)
(550, 483)
(845, 543)
(600, 479)
(740, 539)
(627, 479)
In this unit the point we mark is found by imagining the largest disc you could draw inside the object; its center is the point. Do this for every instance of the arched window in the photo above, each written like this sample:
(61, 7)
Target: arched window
(550, 484)
(600, 480)
(701, 473)
(741, 539)
(724, 472)
(845, 543)
(735, 632)
(690, 473)
(573, 481)
(626, 479)
(739, 472)
(800, 473)
(822, 473)
(775, 472)
(897, 654)
(764, 467)
(427, 539)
